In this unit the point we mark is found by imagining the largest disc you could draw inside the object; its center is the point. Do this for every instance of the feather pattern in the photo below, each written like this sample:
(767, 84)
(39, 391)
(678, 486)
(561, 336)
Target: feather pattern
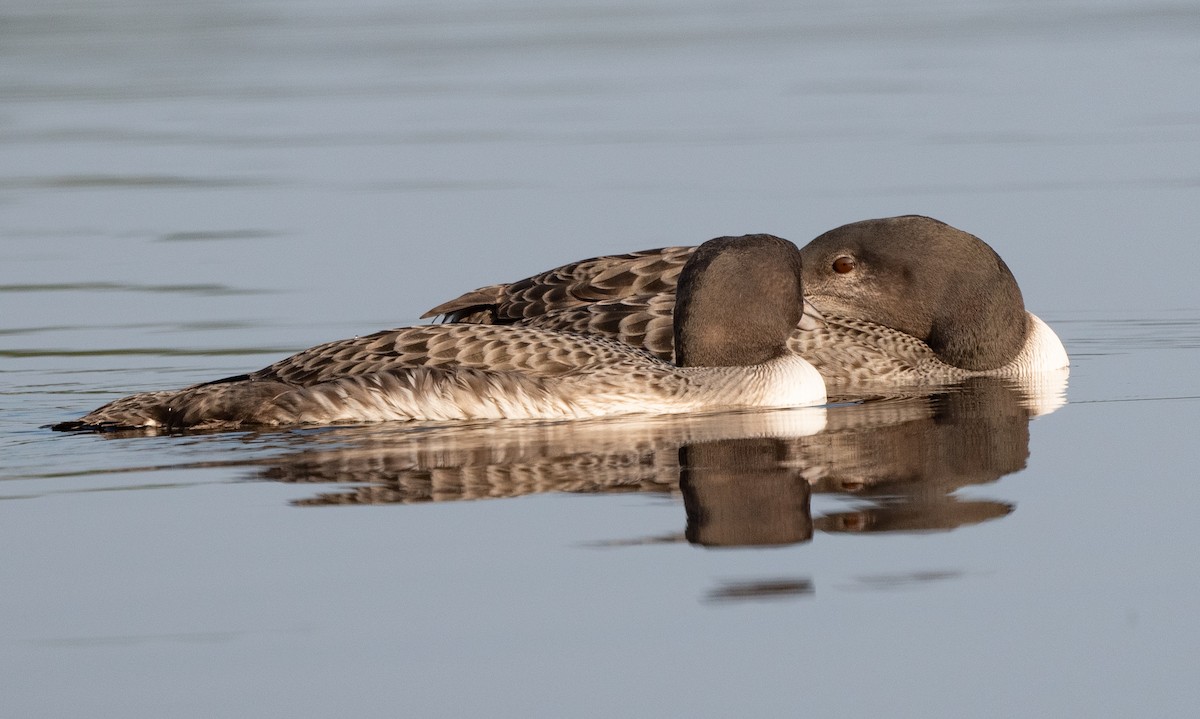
(481, 371)
(901, 297)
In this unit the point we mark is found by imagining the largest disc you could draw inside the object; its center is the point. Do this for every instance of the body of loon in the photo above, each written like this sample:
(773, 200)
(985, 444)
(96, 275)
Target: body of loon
(905, 300)
(738, 301)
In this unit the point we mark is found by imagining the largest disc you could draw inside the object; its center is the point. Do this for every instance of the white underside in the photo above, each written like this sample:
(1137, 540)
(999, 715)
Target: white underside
(788, 381)
(1041, 369)
(1043, 351)
(792, 382)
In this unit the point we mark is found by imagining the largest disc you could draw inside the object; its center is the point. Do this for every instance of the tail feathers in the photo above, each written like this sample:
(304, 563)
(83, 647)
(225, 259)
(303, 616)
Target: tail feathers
(223, 405)
(146, 409)
(475, 307)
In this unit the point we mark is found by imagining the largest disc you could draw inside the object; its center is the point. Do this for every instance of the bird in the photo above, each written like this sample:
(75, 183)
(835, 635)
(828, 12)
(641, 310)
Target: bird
(738, 300)
(906, 300)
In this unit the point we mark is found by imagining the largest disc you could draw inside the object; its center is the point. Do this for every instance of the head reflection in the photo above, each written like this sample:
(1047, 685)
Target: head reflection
(739, 493)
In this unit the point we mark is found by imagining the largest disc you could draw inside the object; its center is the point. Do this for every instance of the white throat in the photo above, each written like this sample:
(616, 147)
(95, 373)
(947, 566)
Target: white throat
(1043, 351)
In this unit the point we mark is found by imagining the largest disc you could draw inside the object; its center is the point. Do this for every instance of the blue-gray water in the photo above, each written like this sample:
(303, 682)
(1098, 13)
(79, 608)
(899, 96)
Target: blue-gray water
(193, 190)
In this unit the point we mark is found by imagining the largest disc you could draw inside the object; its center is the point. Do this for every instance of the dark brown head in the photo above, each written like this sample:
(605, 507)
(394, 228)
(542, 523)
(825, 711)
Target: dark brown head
(924, 278)
(738, 301)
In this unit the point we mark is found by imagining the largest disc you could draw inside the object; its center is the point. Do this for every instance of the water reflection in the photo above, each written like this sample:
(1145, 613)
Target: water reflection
(205, 290)
(490, 460)
(740, 591)
(974, 433)
(745, 478)
(743, 492)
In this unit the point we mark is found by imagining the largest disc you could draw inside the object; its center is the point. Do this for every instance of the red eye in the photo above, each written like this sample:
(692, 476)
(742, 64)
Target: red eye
(842, 265)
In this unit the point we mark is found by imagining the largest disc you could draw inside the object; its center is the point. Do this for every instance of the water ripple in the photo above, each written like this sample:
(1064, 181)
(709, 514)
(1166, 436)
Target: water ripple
(86, 182)
(214, 235)
(206, 289)
(147, 352)
(1109, 336)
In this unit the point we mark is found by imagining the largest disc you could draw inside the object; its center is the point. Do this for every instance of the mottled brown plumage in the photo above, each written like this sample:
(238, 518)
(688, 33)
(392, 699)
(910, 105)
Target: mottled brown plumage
(453, 372)
(922, 302)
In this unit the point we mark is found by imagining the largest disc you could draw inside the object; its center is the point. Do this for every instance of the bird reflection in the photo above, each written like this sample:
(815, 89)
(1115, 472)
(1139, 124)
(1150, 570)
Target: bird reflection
(745, 478)
(399, 464)
(785, 588)
(740, 492)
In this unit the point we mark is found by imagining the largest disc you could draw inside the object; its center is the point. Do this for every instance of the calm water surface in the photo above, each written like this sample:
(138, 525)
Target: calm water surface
(192, 191)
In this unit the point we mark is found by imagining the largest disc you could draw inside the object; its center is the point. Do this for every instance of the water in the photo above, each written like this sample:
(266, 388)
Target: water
(191, 191)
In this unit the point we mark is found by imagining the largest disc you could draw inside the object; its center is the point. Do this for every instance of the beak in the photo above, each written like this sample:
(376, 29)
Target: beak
(812, 318)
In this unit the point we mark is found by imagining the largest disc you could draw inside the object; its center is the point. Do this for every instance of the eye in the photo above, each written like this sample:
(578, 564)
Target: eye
(843, 264)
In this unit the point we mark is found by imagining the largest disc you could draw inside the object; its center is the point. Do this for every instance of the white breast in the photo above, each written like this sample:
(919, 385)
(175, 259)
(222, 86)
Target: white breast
(787, 381)
(1043, 351)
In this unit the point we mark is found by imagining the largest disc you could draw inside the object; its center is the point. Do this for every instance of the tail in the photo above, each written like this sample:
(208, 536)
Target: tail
(224, 404)
(146, 409)
(475, 307)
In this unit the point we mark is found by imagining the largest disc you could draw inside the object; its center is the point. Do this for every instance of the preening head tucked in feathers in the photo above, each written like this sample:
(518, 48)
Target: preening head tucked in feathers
(738, 301)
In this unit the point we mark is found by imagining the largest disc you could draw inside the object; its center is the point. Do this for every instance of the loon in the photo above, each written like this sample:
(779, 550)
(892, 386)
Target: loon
(906, 300)
(738, 301)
